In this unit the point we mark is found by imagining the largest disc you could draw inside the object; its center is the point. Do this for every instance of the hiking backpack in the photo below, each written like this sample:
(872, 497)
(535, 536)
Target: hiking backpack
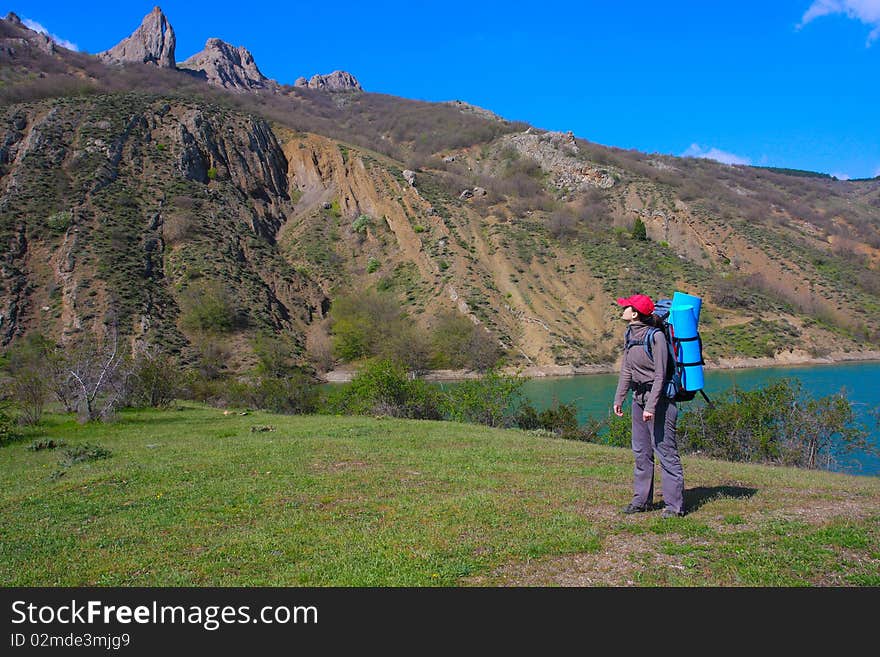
(674, 388)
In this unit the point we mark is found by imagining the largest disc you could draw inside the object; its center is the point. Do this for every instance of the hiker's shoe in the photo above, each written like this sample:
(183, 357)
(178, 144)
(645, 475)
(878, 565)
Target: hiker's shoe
(635, 508)
(669, 513)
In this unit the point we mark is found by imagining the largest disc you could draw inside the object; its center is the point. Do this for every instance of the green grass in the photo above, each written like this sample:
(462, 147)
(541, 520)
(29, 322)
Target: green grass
(193, 497)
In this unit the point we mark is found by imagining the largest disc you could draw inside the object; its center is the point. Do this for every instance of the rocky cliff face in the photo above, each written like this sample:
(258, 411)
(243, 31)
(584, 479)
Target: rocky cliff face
(224, 65)
(112, 207)
(152, 43)
(335, 81)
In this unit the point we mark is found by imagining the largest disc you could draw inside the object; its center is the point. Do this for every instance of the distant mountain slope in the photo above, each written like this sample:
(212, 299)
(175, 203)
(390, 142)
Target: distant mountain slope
(130, 194)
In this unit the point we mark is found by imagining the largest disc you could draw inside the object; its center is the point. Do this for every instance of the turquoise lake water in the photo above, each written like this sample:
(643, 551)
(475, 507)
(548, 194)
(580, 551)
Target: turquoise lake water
(593, 394)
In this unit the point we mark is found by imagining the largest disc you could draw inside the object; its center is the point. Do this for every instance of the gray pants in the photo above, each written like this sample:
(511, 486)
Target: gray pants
(657, 436)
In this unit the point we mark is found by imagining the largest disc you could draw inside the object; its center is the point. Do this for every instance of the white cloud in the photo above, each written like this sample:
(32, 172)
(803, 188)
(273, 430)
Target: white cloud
(842, 176)
(695, 150)
(877, 173)
(36, 27)
(867, 11)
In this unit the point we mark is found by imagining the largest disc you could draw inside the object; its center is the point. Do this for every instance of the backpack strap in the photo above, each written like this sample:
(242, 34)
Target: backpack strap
(649, 341)
(627, 341)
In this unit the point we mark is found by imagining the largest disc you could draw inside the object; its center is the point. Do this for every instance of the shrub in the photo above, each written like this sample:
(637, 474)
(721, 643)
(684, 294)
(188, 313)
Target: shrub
(559, 420)
(29, 359)
(732, 293)
(409, 346)
(562, 224)
(208, 390)
(178, 227)
(212, 358)
(617, 431)
(208, 308)
(361, 224)
(82, 453)
(60, 221)
(319, 349)
(370, 324)
(292, 394)
(493, 399)
(274, 356)
(154, 380)
(48, 443)
(383, 387)
(372, 265)
(639, 231)
(527, 417)
(775, 424)
(459, 343)
(7, 428)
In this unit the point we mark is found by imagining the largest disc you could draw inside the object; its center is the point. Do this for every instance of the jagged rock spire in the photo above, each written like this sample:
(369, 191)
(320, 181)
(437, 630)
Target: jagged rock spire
(153, 42)
(224, 65)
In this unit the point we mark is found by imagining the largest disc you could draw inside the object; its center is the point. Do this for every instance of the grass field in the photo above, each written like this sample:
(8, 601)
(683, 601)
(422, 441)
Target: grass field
(194, 497)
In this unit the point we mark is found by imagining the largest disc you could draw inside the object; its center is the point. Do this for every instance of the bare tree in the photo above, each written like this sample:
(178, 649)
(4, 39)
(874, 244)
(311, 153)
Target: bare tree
(99, 379)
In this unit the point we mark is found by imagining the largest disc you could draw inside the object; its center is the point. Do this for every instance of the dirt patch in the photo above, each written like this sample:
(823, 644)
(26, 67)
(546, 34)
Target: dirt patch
(347, 465)
(628, 552)
(618, 563)
(820, 511)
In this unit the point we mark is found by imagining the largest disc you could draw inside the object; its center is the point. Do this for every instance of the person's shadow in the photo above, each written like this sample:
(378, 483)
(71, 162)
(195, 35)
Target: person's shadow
(694, 498)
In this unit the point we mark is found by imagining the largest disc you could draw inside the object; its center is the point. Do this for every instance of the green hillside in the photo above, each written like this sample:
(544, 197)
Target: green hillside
(199, 497)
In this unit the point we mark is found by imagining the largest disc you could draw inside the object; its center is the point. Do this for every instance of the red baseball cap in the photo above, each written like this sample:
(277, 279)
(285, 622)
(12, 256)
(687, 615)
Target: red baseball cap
(641, 302)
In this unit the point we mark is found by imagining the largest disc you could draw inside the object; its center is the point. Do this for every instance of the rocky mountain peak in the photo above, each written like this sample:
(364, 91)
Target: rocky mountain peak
(16, 37)
(335, 81)
(153, 42)
(224, 65)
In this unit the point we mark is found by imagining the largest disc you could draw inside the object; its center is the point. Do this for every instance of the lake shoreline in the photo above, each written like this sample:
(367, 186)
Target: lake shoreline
(784, 359)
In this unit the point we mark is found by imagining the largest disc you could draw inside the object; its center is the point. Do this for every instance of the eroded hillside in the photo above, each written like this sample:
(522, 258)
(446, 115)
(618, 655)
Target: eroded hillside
(197, 226)
(121, 210)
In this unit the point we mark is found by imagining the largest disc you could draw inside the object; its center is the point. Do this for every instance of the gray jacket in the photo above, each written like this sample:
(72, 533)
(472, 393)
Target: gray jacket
(639, 368)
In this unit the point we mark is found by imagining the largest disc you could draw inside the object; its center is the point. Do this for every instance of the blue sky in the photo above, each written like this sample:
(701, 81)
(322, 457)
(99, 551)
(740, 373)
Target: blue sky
(786, 83)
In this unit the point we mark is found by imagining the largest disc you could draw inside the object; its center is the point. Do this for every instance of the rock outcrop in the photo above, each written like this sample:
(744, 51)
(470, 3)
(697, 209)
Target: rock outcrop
(224, 65)
(152, 43)
(15, 37)
(335, 81)
(557, 154)
(467, 108)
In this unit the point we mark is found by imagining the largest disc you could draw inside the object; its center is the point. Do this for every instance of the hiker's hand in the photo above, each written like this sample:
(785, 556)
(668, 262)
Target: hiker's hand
(618, 410)
(647, 416)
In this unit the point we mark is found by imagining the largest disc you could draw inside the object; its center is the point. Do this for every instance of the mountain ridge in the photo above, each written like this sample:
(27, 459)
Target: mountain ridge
(218, 63)
(128, 202)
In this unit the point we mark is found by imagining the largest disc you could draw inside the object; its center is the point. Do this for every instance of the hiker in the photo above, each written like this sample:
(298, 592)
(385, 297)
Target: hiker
(653, 414)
